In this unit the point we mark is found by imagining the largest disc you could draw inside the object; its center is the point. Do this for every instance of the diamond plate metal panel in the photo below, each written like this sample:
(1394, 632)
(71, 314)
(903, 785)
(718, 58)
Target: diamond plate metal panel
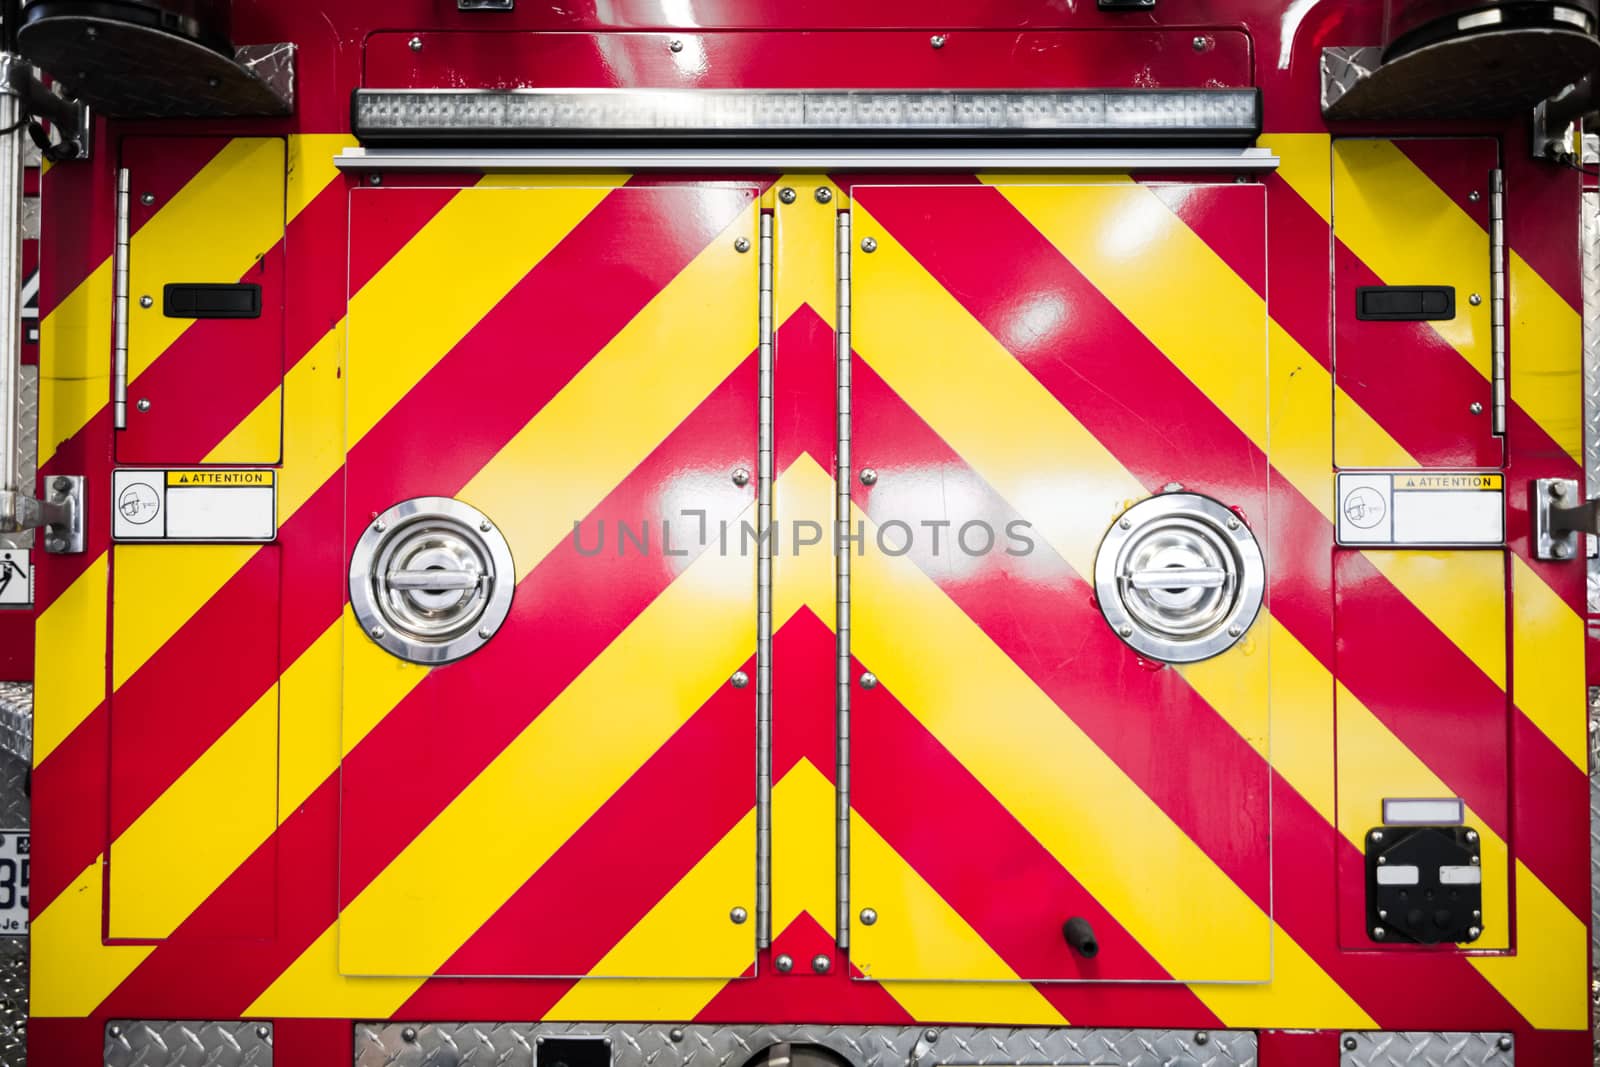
(27, 445)
(13, 1001)
(636, 1045)
(187, 1043)
(16, 738)
(1423, 1048)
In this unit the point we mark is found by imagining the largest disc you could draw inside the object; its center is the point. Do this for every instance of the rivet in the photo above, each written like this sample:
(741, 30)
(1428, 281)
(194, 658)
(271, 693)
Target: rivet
(1474, 861)
(147, 301)
(787, 195)
(675, 45)
(1472, 835)
(937, 40)
(738, 915)
(380, 526)
(1475, 407)
(820, 963)
(1382, 860)
(740, 679)
(1474, 196)
(214, 82)
(824, 195)
(484, 633)
(1125, 631)
(91, 33)
(1383, 913)
(114, 1031)
(1472, 933)
(1201, 1037)
(741, 477)
(408, 1035)
(1200, 44)
(675, 1035)
(263, 1032)
(784, 964)
(869, 680)
(1235, 631)
(869, 476)
(1474, 299)
(869, 244)
(1233, 524)
(416, 44)
(930, 1035)
(377, 633)
(1477, 914)
(147, 199)
(1125, 524)
(742, 245)
(1349, 1044)
(1504, 1042)
(143, 404)
(1377, 933)
(1172, 487)
(868, 916)
(1377, 835)
(485, 525)
(374, 179)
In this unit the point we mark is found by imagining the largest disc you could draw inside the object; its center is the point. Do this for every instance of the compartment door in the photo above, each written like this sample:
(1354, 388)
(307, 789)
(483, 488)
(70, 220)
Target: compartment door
(1032, 362)
(549, 769)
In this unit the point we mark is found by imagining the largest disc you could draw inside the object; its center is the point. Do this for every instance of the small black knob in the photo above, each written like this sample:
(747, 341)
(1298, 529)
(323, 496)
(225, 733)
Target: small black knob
(1080, 936)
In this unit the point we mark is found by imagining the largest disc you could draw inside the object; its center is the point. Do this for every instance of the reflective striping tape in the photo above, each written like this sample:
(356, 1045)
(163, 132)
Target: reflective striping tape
(1548, 685)
(75, 344)
(72, 971)
(157, 589)
(72, 632)
(1434, 580)
(310, 168)
(1548, 978)
(1304, 162)
(803, 244)
(1545, 364)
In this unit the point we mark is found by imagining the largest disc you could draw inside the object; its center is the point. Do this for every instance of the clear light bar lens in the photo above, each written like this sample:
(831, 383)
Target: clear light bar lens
(688, 111)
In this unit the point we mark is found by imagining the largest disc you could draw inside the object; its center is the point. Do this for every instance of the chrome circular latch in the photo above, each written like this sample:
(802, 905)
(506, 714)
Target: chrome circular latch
(431, 580)
(1179, 577)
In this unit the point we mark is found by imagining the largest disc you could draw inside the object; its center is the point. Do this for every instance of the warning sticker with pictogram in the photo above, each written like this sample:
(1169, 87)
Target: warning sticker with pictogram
(194, 505)
(16, 578)
(1422, 508)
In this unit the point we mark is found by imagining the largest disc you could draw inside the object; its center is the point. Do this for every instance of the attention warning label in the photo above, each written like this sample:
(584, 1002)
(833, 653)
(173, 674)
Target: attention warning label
(211, 479)
(1483, 483)
(1421, 508)
(203, 505)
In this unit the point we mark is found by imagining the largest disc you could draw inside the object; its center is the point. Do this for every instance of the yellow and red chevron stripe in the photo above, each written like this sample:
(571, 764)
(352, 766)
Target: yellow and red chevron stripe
(650, 391)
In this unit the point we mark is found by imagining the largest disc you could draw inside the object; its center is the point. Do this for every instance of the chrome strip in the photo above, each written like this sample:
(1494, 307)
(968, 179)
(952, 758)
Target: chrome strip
(1228, 160)
(842, 578)
(1497, 298)
(119, 307)
(764, 597)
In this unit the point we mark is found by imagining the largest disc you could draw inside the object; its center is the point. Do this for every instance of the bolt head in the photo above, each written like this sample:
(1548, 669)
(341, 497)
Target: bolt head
(484, 633)
(56, 544)
(820, 963)
(485, 526)
(740, 679)
(1474, 299)
(1472, 835)
(1561, 550)
(147, 301)
(741, 477)
(263, 1031)
(1125, 524)
(374, 179)
(377, 633)
(1504, 1042)
(1235, 630)
(1233, 524)
(1382, 860)
(786, 195)
(869, 476)
(1172, 487)
(675, 45)
(1558, 489)
(114, 1031)
(1475, 407)
(676, 1035)
(784, 964)
(1383, 913)
(1378, 934)
(1474, 861)
(742, 245)
(937, 40)
(1125, 631)
(1474, 196)
(380, 526)
(1200, 44)
(868, 916)
(869, 680)
(1349, 1044)
(738, 915)
(869, 244)
(1377, 835)
(409, 1034)
(143, 404)
(930, 1035)
(824, 195)
(1473, 932)
(147, 199)
(416, 44)
(62, 484)
(214, 82)
(1201, 1037)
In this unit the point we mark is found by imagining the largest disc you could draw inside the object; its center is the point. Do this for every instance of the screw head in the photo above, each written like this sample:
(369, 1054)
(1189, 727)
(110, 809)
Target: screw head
(820, 963)
(824, 195)
(1125, 524)
(740, 679)
(1475, 407)
(374, 179)
(930, 1035)
(675, 45)
(676, 1035)
(1201, 1037)
(1235, 630)
(1473, 861)
(484, 633)
(1382, 860)
(214, 82)
(1472, 933)
(1233, 524)
(868, 916)
(147, 199)
(416, 44)
(1378, 934)
(738, 915)
(1474, 299)
(143, 404)
(787, 195)
(1474, 196)
(147, 301)
(262, 1032)
(1201, 44)
(1383, 913)
(741, 477)
(937, 40)
(1125, 631)
(742, 245)
(377, 633)
(1472, 835)
(869, 680)
(869, 244)
(784, 964)
(1377, 835)
(409, 1034)
(1349, 1044)
(114, 1031)
(869, 476)
(1504, 1042)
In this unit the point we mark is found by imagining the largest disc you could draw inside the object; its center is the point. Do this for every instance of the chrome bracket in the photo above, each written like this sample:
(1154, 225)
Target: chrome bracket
(60, 514)
(1559, 517)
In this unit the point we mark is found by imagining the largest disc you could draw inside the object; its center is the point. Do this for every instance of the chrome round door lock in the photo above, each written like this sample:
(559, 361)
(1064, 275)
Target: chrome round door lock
(1179, 577)
(431, 580)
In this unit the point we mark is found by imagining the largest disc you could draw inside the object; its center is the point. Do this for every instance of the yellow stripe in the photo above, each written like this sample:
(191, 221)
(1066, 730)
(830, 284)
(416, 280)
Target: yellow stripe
(1544, 362)
(71, 970)
(1548, 979)
(1548, 643)
(311, 168)
(805, 258)
(1305, 163)
(1437, 583)
(71, 641)
(226, 800)
(445, 280)
(158, 588)
(75, 344)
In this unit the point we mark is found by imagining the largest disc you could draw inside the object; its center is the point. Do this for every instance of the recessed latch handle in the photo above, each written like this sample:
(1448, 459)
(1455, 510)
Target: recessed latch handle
(1559, 517)
(1178, 578)
(433, 580)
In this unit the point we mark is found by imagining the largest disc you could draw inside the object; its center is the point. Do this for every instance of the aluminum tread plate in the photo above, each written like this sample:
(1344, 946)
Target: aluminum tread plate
(1590, 236)
(1425, 1048)
(663, 1045)
(187, 1043)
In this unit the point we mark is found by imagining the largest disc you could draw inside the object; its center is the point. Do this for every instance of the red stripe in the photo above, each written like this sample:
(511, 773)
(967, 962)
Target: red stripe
(161, 167)
(1537, 195)
(1299, 255)
(1213, 213)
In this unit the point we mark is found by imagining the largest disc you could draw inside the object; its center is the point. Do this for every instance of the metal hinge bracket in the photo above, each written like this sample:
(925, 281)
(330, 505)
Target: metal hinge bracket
(60, 514)
(1559, 517)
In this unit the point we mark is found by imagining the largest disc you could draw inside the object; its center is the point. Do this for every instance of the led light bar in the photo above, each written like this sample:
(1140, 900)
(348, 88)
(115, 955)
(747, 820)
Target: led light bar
(410, 116)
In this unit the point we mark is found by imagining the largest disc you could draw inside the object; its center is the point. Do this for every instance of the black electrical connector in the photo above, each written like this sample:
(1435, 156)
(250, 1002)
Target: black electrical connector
(1080, 936)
